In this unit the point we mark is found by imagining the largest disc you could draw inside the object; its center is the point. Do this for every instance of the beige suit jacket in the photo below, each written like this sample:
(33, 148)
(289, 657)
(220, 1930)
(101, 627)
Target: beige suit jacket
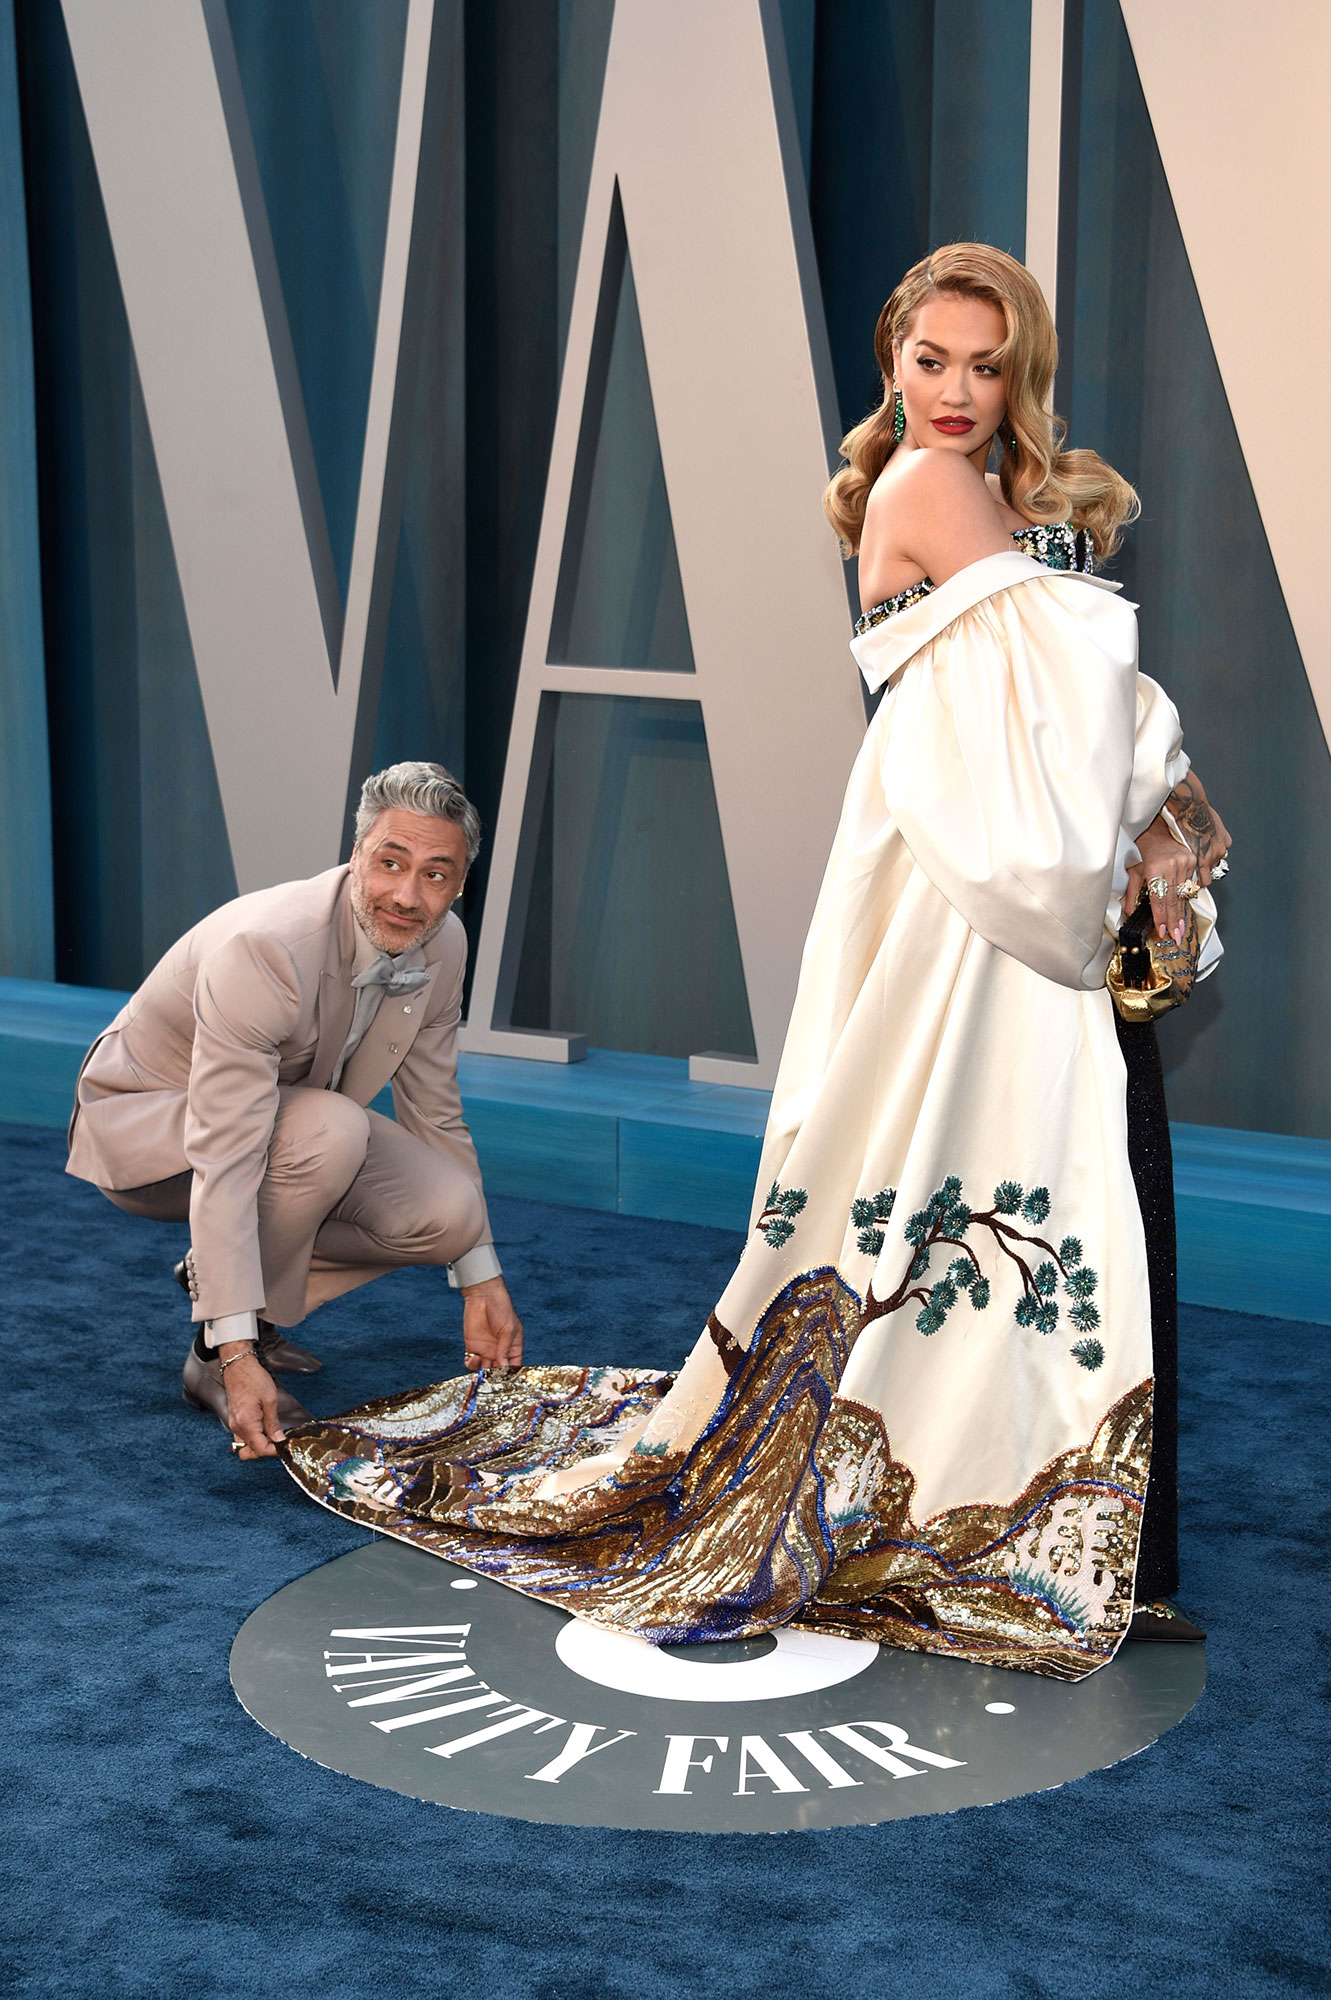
(256, 996)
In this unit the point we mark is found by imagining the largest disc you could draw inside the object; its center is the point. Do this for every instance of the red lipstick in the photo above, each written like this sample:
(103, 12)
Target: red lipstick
(953, 426)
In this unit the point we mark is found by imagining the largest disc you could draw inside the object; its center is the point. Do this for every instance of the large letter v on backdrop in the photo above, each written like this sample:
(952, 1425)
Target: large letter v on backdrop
(289, 680)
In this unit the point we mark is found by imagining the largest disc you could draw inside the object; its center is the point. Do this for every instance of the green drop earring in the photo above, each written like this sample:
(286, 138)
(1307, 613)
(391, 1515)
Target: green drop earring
(898, 420)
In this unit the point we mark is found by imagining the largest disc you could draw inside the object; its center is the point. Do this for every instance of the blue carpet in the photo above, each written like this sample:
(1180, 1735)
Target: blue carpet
(158, 1842)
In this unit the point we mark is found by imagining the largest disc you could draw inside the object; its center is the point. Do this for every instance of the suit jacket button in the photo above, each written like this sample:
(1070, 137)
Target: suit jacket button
(392, 1048)
(406, 1010)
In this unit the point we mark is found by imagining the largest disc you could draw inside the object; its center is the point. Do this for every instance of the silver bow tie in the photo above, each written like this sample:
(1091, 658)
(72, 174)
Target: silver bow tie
(394, 978)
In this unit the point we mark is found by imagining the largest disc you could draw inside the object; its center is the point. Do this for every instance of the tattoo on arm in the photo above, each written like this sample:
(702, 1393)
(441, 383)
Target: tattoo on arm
(1195, 820)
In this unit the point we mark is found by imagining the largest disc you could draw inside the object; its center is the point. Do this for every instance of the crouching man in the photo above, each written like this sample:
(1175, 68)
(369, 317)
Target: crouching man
(233, 1091)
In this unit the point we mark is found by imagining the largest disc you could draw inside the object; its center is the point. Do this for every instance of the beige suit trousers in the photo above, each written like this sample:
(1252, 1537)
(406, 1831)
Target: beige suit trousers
(346, 1196)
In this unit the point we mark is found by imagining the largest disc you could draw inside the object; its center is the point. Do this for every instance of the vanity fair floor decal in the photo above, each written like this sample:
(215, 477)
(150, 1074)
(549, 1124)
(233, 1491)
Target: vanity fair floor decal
(397, 1668)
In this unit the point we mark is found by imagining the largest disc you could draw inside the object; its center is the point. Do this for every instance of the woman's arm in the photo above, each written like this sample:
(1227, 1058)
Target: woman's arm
(1164, 859)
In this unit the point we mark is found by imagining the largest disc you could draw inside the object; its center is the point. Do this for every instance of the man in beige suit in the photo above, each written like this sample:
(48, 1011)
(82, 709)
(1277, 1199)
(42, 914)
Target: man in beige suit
(233, 1090)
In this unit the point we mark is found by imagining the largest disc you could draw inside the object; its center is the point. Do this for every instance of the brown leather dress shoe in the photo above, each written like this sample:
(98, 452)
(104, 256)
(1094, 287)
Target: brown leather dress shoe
(281, 1356)
(278, 1355)
(204, 1389)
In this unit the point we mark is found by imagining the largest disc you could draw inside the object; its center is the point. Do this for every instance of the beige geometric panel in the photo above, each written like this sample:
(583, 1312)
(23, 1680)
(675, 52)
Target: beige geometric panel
(1044, 133)
(1238, 98)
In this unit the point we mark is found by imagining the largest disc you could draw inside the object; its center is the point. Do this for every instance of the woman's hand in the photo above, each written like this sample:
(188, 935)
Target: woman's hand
(1200, 825)
(1165, 860)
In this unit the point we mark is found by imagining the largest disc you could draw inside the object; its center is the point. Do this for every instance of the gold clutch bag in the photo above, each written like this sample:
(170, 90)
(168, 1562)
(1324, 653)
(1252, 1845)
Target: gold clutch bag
(1148, 974)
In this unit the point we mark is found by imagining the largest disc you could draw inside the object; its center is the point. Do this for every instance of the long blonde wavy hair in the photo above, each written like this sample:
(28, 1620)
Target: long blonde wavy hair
(1039, 479)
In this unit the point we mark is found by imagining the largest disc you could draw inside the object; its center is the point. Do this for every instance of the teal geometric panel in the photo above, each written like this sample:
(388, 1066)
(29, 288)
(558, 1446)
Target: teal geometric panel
(27, 919)
(631, 934)
(423, 698)
(1141, 384)
(870, 183)
(621, 601)
(321, 80)
(979, 84)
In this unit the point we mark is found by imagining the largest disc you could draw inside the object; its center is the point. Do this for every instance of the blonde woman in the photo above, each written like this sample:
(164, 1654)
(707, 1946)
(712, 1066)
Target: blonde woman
(921, 1410)
(968, 354)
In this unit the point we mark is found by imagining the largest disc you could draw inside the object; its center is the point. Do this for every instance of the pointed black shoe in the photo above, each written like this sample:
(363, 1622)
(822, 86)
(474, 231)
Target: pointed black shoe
(278, 1355)
(1162, 1623)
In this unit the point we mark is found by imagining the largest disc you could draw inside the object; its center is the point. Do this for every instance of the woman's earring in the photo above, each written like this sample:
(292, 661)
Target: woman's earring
(899, 420)
(1011, 441)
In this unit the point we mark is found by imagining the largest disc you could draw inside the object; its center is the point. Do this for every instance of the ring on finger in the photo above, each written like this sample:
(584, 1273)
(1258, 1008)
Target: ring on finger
(237, 1444)
(1192, 887)
(1158, 885)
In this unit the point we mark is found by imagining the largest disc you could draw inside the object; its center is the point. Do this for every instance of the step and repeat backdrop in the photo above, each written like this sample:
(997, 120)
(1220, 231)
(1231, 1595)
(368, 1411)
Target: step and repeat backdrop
(458, 379)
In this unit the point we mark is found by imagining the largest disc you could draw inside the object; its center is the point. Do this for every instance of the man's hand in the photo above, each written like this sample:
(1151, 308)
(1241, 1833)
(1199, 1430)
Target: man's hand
(251, 1401)
(491, 1330)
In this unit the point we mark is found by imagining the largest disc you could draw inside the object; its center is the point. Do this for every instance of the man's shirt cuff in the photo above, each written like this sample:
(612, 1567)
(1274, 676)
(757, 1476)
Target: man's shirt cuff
(473, 1267)
(231, 1326)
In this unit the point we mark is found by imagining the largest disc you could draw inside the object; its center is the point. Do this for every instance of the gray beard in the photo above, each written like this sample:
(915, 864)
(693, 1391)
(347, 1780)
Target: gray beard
(366, 919)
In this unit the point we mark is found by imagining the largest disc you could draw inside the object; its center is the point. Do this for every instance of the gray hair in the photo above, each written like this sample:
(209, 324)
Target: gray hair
(427, 789)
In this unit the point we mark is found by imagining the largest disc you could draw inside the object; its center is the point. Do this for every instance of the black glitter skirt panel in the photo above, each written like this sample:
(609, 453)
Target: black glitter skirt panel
(1152, 1164)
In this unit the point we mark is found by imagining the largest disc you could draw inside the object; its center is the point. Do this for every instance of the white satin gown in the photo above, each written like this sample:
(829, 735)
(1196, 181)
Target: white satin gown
(921, 1409)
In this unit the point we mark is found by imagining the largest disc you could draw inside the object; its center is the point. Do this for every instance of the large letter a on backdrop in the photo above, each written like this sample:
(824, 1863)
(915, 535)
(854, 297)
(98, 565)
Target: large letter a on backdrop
(696, 178)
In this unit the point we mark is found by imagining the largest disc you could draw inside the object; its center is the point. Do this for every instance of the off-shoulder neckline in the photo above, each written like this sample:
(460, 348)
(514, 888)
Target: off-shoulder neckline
(1081, 561)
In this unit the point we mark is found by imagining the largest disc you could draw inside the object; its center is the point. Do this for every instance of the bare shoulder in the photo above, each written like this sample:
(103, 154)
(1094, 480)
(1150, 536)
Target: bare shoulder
(933, 510)
(943, 475)
(923, 484)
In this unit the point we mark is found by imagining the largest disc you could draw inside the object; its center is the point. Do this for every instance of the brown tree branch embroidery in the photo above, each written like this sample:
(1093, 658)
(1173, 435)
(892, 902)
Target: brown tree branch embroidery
(729, 1349)
(944, 1224)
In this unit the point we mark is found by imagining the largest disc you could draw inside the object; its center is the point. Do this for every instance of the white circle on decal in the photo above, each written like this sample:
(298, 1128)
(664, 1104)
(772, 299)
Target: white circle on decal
(798, 1663)
(999, 1708)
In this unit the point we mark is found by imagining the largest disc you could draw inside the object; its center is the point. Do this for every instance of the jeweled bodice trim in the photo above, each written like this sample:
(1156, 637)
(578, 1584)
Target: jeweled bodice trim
(1056, 544)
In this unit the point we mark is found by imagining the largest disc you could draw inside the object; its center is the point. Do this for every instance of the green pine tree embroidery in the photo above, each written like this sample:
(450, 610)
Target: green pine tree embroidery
(867, 1211)
(945, 1221)
(777, 1221)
